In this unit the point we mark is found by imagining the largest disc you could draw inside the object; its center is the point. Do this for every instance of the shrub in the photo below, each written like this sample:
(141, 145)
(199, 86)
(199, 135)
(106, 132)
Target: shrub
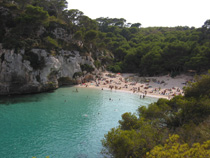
(77, 74)
(115, 68)
(51, 42)
(173, 148)
(87, 68)
(12, 42)
(97, 64)
(36, 62)
(65, 81)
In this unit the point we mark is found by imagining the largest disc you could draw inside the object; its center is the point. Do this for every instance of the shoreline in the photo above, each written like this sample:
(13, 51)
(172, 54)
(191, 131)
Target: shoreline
(123, 91)
(156, 87)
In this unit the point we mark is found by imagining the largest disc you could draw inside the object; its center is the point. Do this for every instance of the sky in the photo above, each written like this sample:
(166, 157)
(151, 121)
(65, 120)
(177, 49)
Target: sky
(149, 13)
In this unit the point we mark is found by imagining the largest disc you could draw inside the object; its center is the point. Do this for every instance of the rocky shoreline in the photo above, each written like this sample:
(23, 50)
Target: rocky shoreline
(38, 70)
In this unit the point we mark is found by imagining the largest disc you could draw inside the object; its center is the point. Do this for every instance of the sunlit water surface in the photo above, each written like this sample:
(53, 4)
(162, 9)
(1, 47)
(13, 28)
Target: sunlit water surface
(61, 124)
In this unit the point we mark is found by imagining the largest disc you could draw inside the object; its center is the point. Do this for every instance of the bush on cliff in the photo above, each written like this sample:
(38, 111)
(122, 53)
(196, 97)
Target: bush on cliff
(36, 61)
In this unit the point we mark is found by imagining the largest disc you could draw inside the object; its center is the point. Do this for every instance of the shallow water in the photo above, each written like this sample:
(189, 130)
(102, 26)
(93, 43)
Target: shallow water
(62, 124)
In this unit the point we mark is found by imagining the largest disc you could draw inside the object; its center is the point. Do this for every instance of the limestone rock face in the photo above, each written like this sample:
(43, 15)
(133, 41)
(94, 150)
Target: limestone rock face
(19, 76)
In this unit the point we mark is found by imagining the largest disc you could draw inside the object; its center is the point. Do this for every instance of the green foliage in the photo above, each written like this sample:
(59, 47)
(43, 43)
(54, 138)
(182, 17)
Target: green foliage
(136, 25)
(148, 51)
(130, 121)
(14, 42)
(78, 35)
(65, 81)
(106, 60)
(156, 111)
(199, 59)
(50, 86)
(131, 143)
(151, 63)
(175, 55)
(172, 50)
(33, 17)
(200, 88)
(120, 53)
(10, 42)
(25, 24)
(207, 24)
(73, 16)
(36, 13)
(86, 67)
(131, 63)
(97, 64)
(51, 43)
(36, 61)
(53, 7)
(115, 68)
(22, 3)
(77, 74)
(173, 148)
(187, 116)
(177, 112)
(90, 35)
(10, 6)
(86, 23)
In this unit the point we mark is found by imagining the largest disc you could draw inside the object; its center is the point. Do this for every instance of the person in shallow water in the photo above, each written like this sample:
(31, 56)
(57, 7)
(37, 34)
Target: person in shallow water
(76, 90)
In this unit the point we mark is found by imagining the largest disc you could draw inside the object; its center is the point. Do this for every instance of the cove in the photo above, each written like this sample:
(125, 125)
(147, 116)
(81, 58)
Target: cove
(62, 124)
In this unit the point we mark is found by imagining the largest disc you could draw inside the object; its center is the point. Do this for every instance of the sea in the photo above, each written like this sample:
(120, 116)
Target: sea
(63, 123)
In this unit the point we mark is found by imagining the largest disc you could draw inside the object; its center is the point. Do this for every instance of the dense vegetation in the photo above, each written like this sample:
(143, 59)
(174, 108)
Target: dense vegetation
(121, 46)
(184, 117)
(124, 47)
(152, 51)
(44, 24)
(173, 148)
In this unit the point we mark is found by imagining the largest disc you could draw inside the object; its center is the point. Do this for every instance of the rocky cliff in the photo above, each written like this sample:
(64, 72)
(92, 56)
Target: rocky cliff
(37, 70)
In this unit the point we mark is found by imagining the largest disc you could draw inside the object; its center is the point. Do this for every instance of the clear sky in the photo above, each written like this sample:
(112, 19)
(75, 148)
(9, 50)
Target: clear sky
(147, 12)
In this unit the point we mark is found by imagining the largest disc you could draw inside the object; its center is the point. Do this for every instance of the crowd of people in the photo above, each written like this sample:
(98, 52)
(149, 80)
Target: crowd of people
(148, 88)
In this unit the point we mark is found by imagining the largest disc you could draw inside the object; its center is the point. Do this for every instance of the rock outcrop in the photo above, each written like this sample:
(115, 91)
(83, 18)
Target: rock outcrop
(38, 70)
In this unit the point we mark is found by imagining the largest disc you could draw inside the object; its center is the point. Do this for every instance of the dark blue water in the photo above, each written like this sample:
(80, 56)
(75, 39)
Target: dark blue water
(62, 124)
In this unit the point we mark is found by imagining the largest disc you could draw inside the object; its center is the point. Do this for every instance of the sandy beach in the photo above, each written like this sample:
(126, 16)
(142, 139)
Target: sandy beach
(160, 87)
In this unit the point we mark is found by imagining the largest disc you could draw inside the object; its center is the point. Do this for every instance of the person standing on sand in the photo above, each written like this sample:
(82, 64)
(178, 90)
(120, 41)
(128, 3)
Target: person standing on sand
(145, 93)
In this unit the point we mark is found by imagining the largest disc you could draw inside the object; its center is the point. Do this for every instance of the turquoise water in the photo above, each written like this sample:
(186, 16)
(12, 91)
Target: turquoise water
(61, 124)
